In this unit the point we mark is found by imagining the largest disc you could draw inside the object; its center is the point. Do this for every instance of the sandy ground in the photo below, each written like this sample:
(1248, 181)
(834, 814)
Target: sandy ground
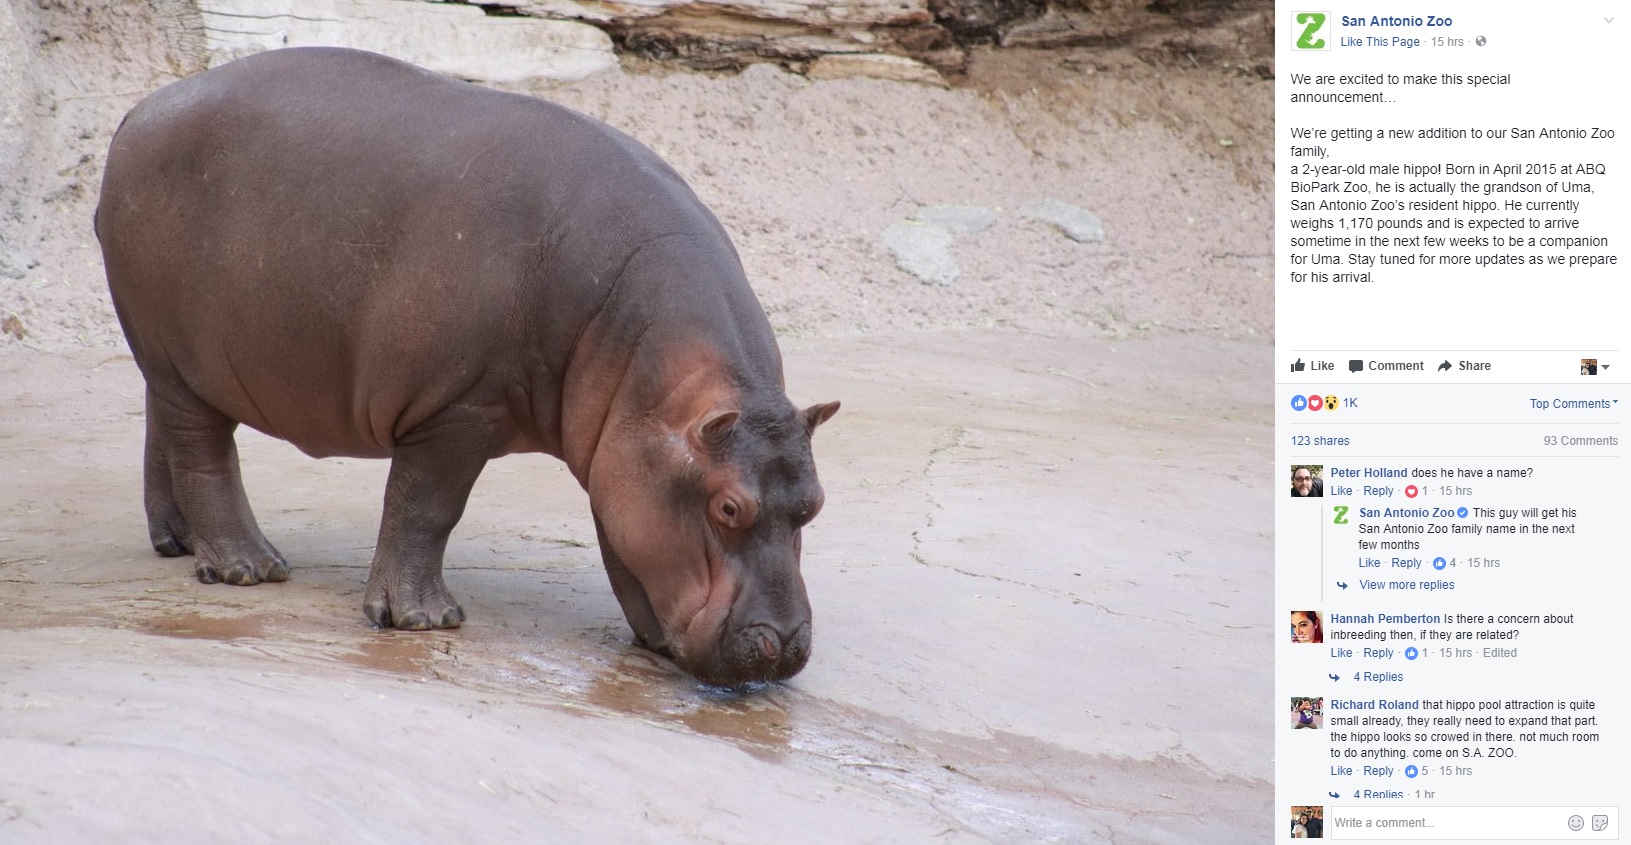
(1039, 589)
(1041, 584)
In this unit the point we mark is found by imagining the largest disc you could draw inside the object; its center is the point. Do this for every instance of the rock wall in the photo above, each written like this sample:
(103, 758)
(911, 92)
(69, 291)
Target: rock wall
(939, 33)
(913, 40)
(453, 38)
(18, 126)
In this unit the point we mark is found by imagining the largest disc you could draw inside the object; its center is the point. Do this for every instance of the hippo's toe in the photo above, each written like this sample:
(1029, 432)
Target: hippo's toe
(406, 609)
(241, 569)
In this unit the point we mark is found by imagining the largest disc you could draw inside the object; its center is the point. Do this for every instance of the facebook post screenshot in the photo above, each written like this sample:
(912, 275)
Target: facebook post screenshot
(814, 422)
(1450, 235)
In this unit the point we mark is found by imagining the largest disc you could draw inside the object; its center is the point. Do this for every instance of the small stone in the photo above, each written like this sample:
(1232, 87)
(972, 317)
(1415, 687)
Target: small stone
(958, 219)
(13, 325)
(922, 250)
(1077, 224)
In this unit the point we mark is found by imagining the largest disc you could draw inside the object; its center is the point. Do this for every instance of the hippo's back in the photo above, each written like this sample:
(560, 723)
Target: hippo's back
(332, 245)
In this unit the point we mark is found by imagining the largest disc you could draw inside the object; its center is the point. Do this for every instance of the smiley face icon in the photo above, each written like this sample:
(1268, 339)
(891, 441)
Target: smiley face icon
(1330, 403)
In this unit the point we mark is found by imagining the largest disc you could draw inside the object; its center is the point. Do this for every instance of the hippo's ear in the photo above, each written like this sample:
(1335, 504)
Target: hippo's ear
(817, 414)
(715, 429)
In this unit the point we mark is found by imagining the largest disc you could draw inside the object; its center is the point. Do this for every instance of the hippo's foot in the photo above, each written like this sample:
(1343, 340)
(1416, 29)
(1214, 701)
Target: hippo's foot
(171, 539)
(409, 607)
(244, 568)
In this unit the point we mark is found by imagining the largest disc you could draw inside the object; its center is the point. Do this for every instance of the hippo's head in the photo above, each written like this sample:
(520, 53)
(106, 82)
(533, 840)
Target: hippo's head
(699, 518)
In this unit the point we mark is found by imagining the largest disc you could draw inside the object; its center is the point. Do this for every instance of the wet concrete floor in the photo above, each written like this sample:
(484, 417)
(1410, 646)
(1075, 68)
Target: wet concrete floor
(1041, 589)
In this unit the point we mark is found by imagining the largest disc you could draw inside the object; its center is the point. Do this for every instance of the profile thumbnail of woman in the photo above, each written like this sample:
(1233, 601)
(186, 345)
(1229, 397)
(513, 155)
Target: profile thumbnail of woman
(1306, 628)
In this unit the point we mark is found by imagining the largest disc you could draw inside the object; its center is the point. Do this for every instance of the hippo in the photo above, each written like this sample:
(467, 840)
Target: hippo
(368, 259)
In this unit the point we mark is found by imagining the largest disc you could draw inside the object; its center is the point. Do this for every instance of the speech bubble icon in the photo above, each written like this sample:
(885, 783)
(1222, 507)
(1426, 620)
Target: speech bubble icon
(1356, 365)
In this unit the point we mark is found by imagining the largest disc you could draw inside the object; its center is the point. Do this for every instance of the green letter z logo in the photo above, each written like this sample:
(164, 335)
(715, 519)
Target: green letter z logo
(1312, 23)
(1342, 514)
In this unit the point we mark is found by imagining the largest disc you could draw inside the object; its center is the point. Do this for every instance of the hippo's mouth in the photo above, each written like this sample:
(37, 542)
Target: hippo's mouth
(733, 656)
(736, 650)
(755, 654)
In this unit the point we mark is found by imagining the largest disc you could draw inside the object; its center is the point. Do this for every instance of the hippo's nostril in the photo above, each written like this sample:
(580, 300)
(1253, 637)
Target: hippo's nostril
(798, 645)
(758, 649)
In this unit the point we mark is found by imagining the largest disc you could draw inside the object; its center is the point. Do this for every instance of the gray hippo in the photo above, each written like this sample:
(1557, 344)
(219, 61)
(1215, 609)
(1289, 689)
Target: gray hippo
(368, 259)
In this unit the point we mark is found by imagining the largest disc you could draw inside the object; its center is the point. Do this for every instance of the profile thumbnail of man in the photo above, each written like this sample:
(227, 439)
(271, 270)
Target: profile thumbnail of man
(1306, 482)
(1308, 712)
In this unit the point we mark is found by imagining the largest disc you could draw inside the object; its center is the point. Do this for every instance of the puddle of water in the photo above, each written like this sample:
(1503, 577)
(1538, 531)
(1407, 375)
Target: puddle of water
(395, 653)
(753, 720)
(628, 681)
(388, 652)
(192, 626)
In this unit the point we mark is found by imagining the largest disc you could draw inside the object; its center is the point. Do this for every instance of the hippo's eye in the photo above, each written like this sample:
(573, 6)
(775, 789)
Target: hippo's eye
(734, 512)
(728, 513)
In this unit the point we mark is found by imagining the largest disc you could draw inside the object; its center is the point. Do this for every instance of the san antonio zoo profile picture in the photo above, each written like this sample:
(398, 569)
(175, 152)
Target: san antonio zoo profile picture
(1311, 30)
(1306, 627)
(1307, 712)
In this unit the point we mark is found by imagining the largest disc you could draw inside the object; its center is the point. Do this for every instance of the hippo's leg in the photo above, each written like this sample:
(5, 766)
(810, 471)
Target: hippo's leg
(166, 527)
(432, 472)
(195, 494)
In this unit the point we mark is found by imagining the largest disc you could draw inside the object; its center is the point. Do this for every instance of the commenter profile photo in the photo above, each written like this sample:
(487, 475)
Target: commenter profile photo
(1308, 712)
(1306, 627)
(1306, 481)
(1308, 822)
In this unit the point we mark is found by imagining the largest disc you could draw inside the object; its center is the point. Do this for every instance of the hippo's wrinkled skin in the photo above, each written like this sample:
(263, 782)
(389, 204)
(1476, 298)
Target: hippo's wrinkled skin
(367, 259)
